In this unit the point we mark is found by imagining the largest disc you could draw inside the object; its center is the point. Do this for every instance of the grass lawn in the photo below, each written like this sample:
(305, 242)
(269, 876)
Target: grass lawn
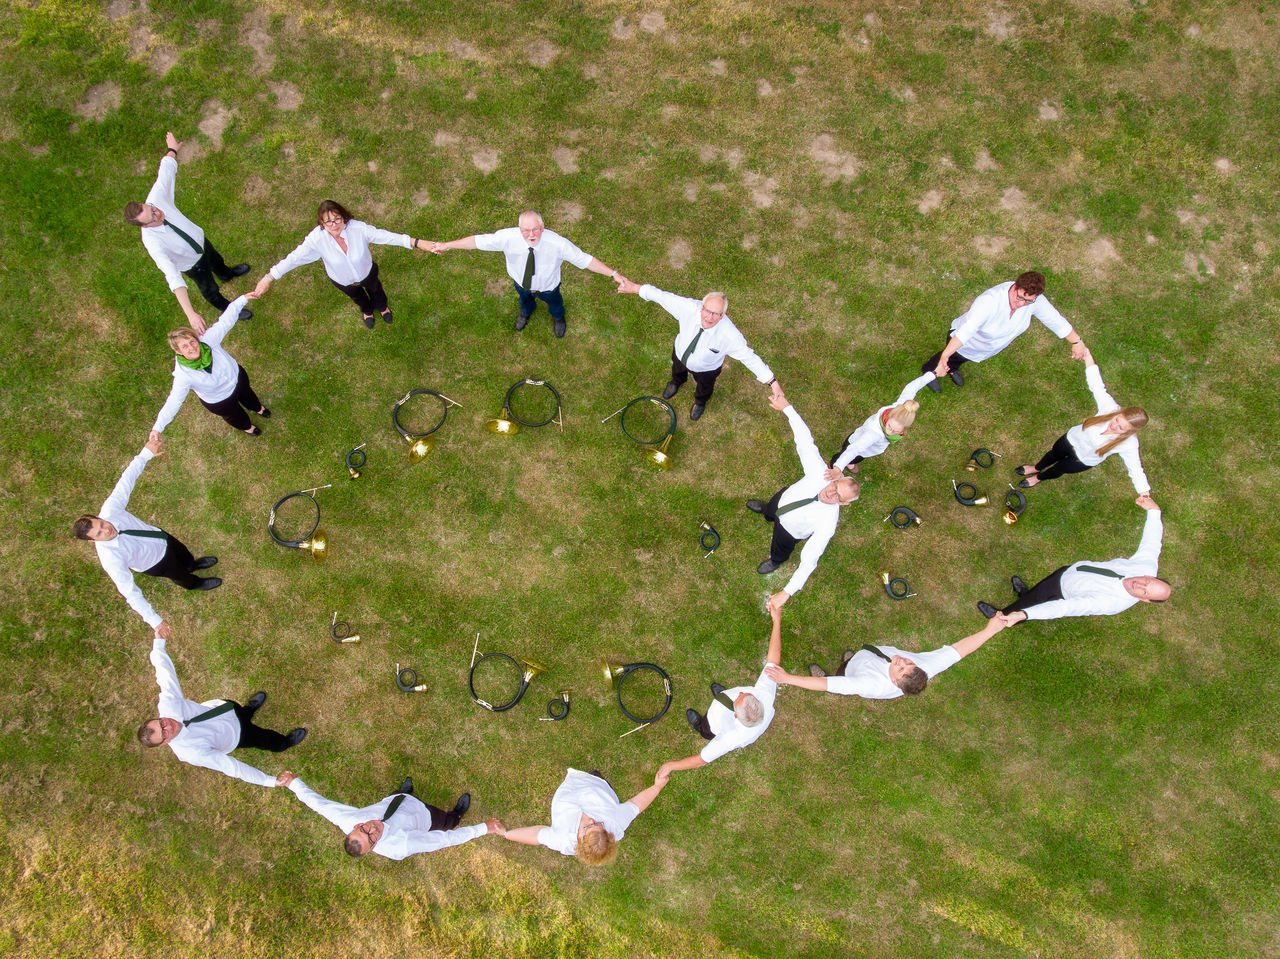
(852, 175)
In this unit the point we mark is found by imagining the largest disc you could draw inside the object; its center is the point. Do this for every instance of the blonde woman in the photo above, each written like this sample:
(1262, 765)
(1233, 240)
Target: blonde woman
(1113, 430)
(885, 426)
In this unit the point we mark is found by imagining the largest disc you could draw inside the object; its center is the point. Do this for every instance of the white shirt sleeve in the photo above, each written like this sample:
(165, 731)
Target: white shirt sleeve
(810, 458)
(341, 815)
(308, 251)
(171, 698)
(177, 396)
(745, 355)
(436, 839)
(161, 195)
(229, 766)
(1048, 314)
(119, 498)
(573, 253)
(122, 576)
(810, 553)
(1148, 554)
(1128, 450)
(912, 389)
(673, 304)
(373, 234)
(215, 334)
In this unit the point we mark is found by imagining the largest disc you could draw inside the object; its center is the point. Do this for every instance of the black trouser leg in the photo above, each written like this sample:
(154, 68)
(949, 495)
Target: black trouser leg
(954, 363)
(202, 274)
(255, 737)
(359, 296)
(175, 564)
(783, 543)
(679, 372)
(704, 727)
(704, 384)
(1060, 459)
(441, 819)
(231, 410)
(373, 287)
(1048, 590)
(215, 262)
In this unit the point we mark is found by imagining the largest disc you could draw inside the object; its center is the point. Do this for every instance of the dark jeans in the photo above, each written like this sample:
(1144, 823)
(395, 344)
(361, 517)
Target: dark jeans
(231, 410)
(783, 543)
(368, 295)
(704, 383)
(255, 737)
(954, 363)
(176, 564)
(1048, 590)
(529, 301)
(1060, 459)
(209, 265)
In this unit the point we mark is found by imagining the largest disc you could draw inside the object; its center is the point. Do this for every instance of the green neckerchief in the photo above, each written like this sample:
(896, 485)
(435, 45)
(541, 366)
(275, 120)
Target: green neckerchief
(884, 419)
(204, 363)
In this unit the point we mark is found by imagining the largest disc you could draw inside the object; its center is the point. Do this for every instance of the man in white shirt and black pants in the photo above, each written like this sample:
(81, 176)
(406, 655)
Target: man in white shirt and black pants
(204, 734)
(533, 254)
(995, 319)
(126, 544)
(1094, 588)
(178, 245)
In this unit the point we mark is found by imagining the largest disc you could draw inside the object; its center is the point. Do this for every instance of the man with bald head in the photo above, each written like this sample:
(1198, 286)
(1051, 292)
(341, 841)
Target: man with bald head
(704, 337)
(533, 255)
(1092, 588)
(808, 509)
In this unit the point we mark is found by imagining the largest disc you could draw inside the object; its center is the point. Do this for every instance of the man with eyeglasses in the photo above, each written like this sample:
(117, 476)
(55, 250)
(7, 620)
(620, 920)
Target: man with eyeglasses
(997, 317)
(179, 246)
(705, 336)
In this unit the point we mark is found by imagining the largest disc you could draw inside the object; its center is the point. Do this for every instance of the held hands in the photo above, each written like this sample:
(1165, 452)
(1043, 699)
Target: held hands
(263, 284)
(172, 142)
(1079, 351)
(494, 826)
(285, 778)
(164, 631)
(1011, 619)
(1146, 502)
(778, 400)
(775, 388)
(197, 323)
(776, 602)
(154, 443)
(437, 247)
(664, 772)
(833, 474)
(252, 295)
(625, 285)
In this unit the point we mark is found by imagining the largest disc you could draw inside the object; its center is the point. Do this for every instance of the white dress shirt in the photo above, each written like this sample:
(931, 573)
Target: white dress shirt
(346, 268)
(989, 326)
(584, 793)
(1090, 594)
(213, 385)
(405, 834)
(731, 734)
(171, 252)
(870, 439)
(867, 675)
(552, 250)
(816, 522)
(121, 555)
(1086, 442)
(723, 339)
(205, 743)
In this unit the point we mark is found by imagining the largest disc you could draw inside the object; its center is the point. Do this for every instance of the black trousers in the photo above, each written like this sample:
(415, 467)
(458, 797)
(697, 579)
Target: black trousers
(176, 564)
(1060, 459)
(1048, 590)
(954, 363)
(368, 295)
(439, 818)
(783, 543)
(209, 265)
(256, 737)
(704, 383)
(232, 409)
(844, 446)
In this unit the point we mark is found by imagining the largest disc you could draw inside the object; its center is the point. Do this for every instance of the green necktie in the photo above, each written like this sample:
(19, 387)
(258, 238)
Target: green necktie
(724, 700)
(878, 651)
(149, 533)
(1099, 571)
(528, 270)
(211, 713)
(392, 807)
(194, 245)
(688, 350)
(796, 505)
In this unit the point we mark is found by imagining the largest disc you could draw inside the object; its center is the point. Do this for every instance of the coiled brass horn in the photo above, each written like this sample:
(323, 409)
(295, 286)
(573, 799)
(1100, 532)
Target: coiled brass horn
(967, 494)
(1015, 502)
(981, 457)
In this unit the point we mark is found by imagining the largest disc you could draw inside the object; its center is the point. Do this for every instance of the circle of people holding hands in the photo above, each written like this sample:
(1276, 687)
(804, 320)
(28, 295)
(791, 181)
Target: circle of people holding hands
(587, 818)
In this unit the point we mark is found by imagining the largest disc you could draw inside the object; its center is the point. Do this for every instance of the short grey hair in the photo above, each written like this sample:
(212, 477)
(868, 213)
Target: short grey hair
(533, 213)
(724, 298)
(751, 712)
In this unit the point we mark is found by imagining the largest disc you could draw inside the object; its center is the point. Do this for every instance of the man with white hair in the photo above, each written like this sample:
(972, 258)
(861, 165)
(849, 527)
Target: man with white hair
(533, 255)
(704, 337)
(737, 717)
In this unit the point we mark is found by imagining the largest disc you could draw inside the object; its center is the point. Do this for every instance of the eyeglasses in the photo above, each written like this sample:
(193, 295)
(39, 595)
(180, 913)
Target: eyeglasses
(712, 313)
(332, 219)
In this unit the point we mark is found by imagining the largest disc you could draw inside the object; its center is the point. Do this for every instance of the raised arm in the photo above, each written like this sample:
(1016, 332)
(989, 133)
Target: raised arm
(975, 640)
(679, 765)
(643, 799)
(465, 243)
(774, 655)
(216, 333)
(784, 678)
(525, 835)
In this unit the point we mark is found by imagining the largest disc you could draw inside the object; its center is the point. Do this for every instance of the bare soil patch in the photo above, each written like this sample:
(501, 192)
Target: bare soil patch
(288, 97)
(983, 162)
(1014, 200)
(567, 211)
(764, 88)
(485, 160)
(653, 22)
(834, 164)
(100, 99)
(991, 245)
(930, 202)
(679, 254)
(215, 118)
(254, 31)
(541, 53)
(566, 159)
(622, 29)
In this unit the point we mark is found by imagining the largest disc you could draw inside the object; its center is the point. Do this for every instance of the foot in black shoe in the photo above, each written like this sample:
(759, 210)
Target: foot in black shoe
(1019, 586)
(522, 320)
(208, 583)
(986, 609)
(1025, 470)
(369, 322)
(934, 385)
(756, 505)
(264, 413)
(694, 719)
(697, 411)
(716, 689)
(240, 269)
(767, 567)
(956, 377)
(463, 804)
(204, 562)
(254, 431)
(406, 787)
(387, 315)
(246, 314)
(672, 389)
(255, 701)
(558, 327)
(296, 736)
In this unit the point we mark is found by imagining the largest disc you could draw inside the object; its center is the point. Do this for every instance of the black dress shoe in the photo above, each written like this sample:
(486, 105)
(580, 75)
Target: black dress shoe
(1021, 470)
(847, 655)
(255, 702)
(956, 377)
(672, 389)
(246, 314)
(369, 322)
(387, 316)
(463, 804)
(1019, 586)
(240, 269)
(204, 562)
(934, 385)
(253, 431)
(406, 787)
(697, 410)
(522, 320)
(694, 719)
(265, 413)
(558, 327)
(296, 736)
(716, 689)
(756, 506)
(767, 567)
(986, 609)
(208, 583)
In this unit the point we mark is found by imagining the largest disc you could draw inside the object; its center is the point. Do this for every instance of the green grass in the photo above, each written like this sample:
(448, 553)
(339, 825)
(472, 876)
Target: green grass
(1077, 788)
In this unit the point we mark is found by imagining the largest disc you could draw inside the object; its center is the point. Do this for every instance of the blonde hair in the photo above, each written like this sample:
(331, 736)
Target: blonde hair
(904, 414)
(181, 333)
(596, 848)
(1136, 416)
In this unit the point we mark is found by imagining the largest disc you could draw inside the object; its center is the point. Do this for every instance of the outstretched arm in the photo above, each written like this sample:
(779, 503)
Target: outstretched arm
(774, 656)
(525, 835)
(953, 344)
(465, 243)
(967, 645)
(645, 797)
(784, 678)
(679, 765)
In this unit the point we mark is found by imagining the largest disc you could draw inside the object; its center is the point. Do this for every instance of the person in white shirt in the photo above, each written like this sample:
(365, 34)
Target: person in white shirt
(201, 364)
(342, 243)
(125, 544)
(737, 717)
(178, 245)
(882, 428)
(1112, 430)
(204, 734)
(533, 255)
(885, 672)
(704, 337)
(997, 317)
(1094, 588)
(397, 826)
(808, 509)
(587, 818)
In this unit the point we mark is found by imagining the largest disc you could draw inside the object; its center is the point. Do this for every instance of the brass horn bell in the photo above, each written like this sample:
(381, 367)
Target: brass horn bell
(1016, 502)
(612, 673)
(504, 425)
(317, 545)
(531, 669)
(419, 447)
(657, 455)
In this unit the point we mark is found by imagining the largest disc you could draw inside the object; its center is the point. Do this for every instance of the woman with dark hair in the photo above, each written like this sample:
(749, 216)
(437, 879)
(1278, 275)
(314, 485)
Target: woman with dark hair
(1113, 430)
(342, 242)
